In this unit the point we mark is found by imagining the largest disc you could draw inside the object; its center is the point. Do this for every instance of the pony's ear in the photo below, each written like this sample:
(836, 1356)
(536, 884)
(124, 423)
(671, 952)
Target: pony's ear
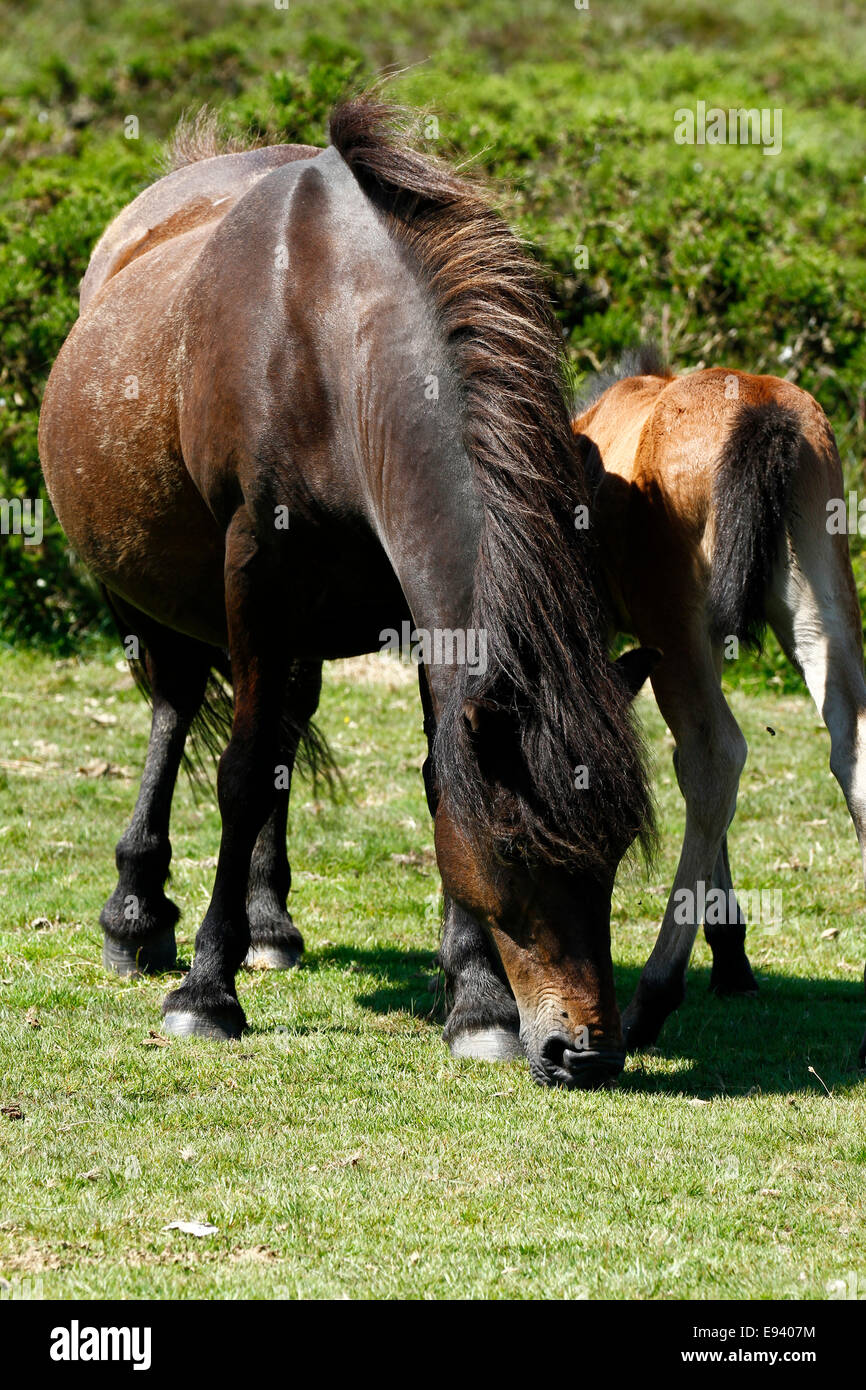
(483, 715)
(473, 713)
(634, 666)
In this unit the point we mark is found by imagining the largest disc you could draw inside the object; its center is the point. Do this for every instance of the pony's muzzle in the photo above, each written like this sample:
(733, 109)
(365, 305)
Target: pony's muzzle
(563, 1063)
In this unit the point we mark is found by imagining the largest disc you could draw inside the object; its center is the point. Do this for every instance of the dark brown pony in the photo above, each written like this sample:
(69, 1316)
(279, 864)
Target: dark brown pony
(312, 395)
(713, 505)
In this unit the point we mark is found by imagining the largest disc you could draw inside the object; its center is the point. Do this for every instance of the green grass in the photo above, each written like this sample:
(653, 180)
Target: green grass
(337, 1147)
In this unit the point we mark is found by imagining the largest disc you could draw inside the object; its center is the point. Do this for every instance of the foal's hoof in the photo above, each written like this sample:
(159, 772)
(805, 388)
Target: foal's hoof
(150, 955)
(273, 955)
(641, 1028)
(645, 1016)
(737, 978)
(487, 1045)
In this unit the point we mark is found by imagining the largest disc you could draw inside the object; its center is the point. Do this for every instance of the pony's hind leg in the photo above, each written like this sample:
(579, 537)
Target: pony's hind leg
(815, 613)
(275, 942)
(484, 1021)
(138, 920)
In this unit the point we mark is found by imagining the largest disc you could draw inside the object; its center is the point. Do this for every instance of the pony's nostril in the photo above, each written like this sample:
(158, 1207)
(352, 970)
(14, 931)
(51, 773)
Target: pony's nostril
(554, 1052)
(567, 1065)
(572, 1058)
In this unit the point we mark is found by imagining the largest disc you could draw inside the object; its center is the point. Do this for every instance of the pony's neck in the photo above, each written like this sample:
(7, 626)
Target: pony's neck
(407, 425)
(426, 511)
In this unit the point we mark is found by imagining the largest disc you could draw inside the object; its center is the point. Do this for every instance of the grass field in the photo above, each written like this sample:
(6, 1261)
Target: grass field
(337, 1148)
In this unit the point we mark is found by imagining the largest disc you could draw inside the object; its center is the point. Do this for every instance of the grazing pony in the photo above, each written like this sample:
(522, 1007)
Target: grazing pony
(312, 395)
(711, 496)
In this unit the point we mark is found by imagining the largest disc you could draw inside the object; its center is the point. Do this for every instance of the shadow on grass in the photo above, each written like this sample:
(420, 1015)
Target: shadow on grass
(710, 1047)
(763, 1045)
(406, 977)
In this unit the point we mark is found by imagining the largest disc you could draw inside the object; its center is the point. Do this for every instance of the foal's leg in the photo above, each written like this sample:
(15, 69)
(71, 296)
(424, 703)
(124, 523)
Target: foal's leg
(731, 973)
(275, 942)
(206, 1003)
(711, 753)
(814, 611)
(138, 920)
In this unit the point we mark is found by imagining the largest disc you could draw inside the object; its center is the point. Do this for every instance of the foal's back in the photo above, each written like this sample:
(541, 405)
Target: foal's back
(664, 454)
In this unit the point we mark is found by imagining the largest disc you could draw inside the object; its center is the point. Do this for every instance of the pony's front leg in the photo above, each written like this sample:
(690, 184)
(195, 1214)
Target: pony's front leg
(484, 1021)
(206, 1004)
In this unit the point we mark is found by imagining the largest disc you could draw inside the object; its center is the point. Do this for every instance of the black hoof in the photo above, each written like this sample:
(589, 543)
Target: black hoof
(218, 1027)
(275, 949)
(640, 1033)
(271, 956)
(184, 1018)
(275, 942)
(734, 978)
(645, 1016)
(149, 955)
(485, 1026)
(144, 945)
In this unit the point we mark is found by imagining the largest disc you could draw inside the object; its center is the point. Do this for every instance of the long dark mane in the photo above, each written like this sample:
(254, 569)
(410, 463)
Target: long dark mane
(551, 698)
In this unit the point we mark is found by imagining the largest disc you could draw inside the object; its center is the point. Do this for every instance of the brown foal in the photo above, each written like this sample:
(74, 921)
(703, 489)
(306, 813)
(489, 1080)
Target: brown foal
(714, 498)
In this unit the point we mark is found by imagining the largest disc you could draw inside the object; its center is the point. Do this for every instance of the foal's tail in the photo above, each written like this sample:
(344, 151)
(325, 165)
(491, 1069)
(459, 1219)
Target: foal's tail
(751, 497)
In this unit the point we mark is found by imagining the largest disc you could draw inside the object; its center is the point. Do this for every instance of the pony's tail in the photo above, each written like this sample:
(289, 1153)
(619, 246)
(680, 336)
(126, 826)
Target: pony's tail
(751, 496)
